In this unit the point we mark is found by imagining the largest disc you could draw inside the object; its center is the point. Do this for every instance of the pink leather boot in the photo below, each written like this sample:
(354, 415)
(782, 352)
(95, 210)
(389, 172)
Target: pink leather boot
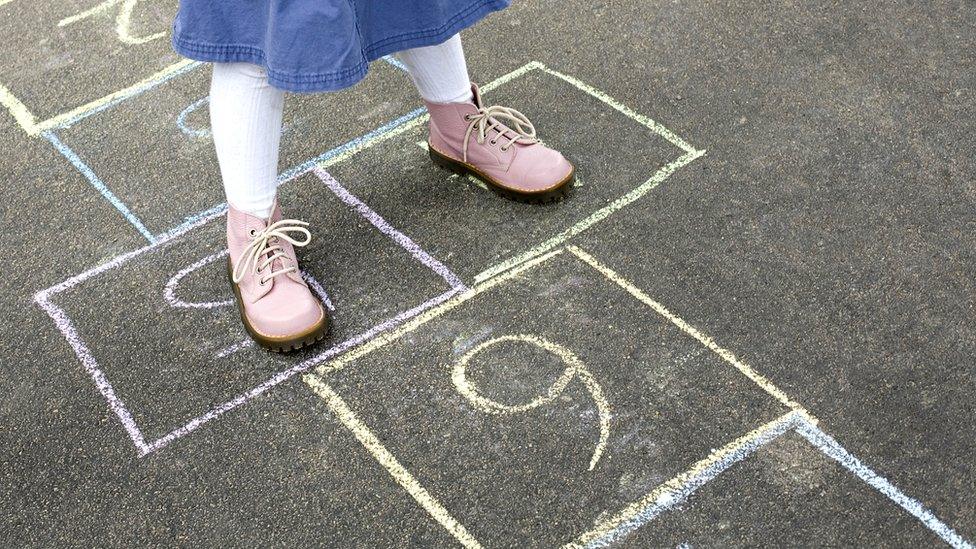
(469, 138)
(276, 306)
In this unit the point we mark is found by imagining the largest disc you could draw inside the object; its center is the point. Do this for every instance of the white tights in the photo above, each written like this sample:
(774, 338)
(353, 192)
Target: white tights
(245, 117)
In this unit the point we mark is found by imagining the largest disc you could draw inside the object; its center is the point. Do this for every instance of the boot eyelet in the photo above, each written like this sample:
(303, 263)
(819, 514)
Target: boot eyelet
(252, 232)
(262, 282)
(493, 142)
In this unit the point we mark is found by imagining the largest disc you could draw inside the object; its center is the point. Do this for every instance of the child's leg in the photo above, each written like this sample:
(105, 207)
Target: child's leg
(439, 72)
(245, 116)
(276, 306)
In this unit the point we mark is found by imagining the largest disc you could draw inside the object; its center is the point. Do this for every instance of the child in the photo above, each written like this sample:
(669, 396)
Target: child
(262, 48)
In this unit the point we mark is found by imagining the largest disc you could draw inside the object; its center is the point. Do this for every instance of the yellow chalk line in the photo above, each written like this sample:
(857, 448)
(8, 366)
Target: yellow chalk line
(426, 317)
(574, 368)
(29, 123)
(22, 115)
(104, 6)
(594, 218)
(399, 473)
(675, 485)
(123, 20)
(145, 82)
(654, 126)
(726, 355)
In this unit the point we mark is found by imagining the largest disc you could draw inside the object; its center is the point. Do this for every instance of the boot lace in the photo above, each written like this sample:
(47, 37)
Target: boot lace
(487, 119)
(264, 248)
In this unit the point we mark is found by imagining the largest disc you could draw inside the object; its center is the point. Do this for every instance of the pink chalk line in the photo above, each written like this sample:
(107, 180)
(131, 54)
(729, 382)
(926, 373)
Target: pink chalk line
(387, 229)
(64, 324)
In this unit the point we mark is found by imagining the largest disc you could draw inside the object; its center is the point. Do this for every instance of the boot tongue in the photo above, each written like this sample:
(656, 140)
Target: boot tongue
(275, 265)
(477, 96)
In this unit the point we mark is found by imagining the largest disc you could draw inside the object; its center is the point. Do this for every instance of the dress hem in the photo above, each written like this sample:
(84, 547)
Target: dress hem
(342, 78)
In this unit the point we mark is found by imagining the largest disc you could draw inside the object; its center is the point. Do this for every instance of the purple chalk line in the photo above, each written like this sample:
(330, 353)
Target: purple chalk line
(64, 324)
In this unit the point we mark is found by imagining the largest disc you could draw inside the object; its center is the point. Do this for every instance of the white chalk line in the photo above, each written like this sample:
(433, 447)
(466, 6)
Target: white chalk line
(680, 487)
(195, 133)
(726, 355)
(245, 343)
(575, 368)
(384, 457)
(388, 230)
(169, 290)
(318, 290)
(285, 375)
(832, 449)
(102, 383)
(42, 297)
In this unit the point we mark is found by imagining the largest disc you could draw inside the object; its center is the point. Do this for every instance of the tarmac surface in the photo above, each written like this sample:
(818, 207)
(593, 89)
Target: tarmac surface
(752, 323)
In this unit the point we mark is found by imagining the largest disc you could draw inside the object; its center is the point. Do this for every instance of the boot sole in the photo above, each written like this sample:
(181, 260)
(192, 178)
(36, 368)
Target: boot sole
(555, 193)
(282, 344)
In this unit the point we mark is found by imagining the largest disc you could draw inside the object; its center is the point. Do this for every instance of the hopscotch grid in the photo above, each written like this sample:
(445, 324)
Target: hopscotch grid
(44, 297)
(29, 123)
(339, 154)
(668, 494)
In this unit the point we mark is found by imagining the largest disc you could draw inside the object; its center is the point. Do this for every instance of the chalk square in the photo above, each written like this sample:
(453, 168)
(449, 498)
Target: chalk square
(167, 365)
(449, 213)
(518, 479)
(168, 127)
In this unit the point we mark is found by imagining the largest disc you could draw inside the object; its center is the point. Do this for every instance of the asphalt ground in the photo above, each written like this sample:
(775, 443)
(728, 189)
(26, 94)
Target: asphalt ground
(752, 323)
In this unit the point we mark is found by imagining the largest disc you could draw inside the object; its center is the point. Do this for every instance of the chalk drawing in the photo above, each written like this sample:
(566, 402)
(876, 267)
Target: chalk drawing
(285, 375)
(99, 185)
(28, 122)
(198, 133)
(123, 21)
(63, 323)
(318, 290)
(384, 457)
(169, 291)
(831, 448)
(231, 349)
(676, 490)
(574, 369)
(377, 221)
(388, 131)
(690, 330)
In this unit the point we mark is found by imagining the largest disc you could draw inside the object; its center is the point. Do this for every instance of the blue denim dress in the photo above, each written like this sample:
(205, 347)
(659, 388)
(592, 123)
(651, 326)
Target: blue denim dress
(317, 45)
